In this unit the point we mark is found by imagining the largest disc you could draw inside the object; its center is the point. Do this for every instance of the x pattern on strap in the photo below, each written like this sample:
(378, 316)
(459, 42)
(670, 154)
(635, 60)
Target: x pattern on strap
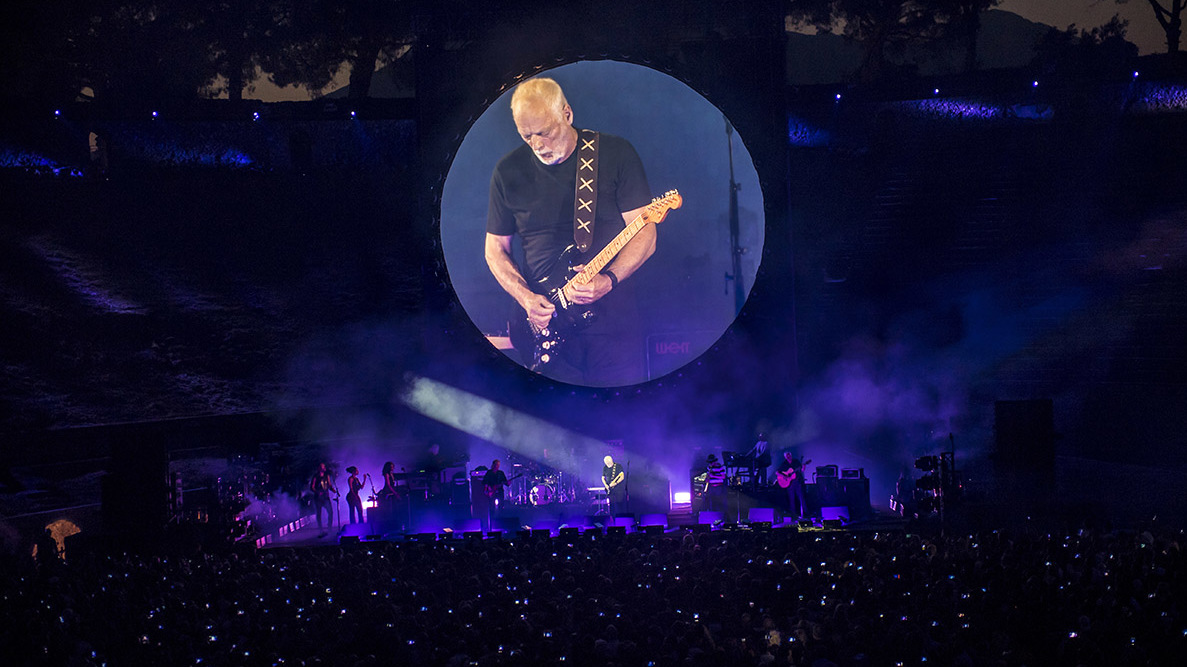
(584, 204)
(587, 144)
(586, 184)
(584, 225)
(586, 165)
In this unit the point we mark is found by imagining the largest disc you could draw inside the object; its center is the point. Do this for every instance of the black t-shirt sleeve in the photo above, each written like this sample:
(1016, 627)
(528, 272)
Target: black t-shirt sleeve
(500, 220)
(631, 179)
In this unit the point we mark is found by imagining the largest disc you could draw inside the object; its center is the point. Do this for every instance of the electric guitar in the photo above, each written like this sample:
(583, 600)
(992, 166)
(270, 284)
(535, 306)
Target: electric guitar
(490, 490)
(785, 478)
(539, 346)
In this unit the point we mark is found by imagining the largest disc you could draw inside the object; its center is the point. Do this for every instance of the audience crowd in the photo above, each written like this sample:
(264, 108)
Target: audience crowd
(774, 597)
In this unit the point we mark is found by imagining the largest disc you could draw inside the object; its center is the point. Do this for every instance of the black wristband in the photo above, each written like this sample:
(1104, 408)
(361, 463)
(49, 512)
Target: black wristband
(613, 278)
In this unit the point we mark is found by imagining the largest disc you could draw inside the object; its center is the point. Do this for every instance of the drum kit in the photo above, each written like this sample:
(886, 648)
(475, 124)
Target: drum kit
(538, 488)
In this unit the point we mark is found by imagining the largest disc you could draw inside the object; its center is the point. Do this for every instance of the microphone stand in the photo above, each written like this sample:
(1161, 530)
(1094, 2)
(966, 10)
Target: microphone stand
(735, 232)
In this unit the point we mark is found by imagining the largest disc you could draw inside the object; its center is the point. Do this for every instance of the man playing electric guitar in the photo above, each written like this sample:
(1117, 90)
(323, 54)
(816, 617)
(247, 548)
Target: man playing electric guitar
(613, 478)
(534, 194)
(790, 476)
(493, 483)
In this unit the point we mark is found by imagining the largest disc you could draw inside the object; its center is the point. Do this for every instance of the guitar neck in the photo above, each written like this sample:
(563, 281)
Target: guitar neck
(594, 266)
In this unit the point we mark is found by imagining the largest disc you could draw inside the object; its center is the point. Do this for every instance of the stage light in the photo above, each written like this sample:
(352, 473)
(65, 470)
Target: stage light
(255, 115)
(681, 497)
(935, 91)
(838, 97)
(1034, 84)
(57, 113)
(354, 114)
(927, 463)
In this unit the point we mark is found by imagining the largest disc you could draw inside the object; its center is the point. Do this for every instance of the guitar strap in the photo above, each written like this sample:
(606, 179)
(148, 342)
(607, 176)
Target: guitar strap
(585, 200)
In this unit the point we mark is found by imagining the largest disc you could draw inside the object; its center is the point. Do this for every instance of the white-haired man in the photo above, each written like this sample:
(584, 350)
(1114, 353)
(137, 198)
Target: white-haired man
(532, 193)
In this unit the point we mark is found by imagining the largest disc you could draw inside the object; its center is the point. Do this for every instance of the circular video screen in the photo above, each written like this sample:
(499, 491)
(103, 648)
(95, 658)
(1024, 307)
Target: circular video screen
(602, 224)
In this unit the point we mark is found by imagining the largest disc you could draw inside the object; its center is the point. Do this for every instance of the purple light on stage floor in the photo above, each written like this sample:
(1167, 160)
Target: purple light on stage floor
(950, 108)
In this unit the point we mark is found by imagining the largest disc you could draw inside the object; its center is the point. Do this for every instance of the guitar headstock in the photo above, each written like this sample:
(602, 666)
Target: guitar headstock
(658, 209)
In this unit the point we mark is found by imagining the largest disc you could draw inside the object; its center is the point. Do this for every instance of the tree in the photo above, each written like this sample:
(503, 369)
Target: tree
(321, 36)
(1170, 19)
(1100, 52)
(883, 28)
(963, 19)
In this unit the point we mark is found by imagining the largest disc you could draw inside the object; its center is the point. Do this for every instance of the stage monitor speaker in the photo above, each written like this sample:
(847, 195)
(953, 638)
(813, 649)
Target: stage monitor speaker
(654, 520)
(761, 514)
(834, 513)
(653, 530)
(708, 517)
(834, 524)
(616, 530)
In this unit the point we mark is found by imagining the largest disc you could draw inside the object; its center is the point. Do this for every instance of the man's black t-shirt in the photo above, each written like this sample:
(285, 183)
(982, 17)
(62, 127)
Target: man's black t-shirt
(535, 200)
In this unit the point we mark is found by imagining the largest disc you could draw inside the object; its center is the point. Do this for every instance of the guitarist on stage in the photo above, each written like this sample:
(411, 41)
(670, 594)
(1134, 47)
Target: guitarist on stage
(790, 476)
(613, 480)
(533, 193)
(493, 483)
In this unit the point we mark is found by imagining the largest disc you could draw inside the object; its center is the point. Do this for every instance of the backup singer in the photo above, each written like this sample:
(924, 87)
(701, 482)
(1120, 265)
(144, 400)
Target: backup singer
(322, 485)
(354, 503)
(389, 492)
(532, 194)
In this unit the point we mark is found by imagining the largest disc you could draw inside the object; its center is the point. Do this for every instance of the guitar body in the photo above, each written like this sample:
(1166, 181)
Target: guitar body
(539, 347)
(786, 479)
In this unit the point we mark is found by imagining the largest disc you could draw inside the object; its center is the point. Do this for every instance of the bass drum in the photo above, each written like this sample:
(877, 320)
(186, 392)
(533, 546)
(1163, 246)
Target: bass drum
(541, 494)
